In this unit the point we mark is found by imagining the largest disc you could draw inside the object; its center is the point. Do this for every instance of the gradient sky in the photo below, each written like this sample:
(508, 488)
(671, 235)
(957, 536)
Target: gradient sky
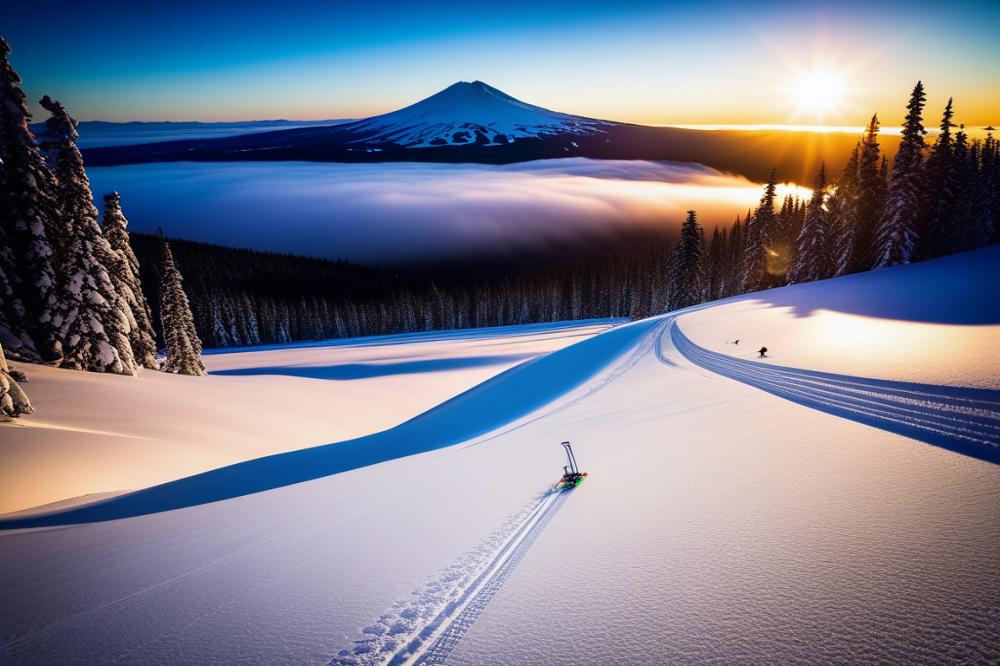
(731, 62)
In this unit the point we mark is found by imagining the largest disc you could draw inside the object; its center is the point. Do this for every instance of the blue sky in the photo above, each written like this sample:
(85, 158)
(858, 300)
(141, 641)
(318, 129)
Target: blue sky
(731, 62)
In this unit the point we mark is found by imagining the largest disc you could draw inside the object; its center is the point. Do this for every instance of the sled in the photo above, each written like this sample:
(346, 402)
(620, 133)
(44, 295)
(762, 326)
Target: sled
(572, 476)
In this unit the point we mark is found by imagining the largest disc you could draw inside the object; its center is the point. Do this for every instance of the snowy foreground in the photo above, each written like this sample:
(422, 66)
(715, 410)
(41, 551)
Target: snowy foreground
(839, 501)
(94, 433)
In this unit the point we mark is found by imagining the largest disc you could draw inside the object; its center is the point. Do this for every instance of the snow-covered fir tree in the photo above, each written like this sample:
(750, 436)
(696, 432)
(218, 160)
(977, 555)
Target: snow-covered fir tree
(940, 186)
(686, 265)
(813, 251)
(868, 202)
(94, 317)
(714, 272)
(758, 239)
(13, 400)
(841, 206)
(733, 255)
(986, 207)
(124, 271)
(966, 159)
(12, 310)
(896, 237)
(28, 324)
(183, 346)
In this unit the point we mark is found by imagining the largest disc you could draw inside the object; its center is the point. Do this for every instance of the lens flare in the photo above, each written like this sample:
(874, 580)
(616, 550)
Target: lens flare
(818, 93)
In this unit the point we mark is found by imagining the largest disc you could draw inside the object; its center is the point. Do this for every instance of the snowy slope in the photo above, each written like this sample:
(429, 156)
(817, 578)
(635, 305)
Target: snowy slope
(94, 433)
(932, 322)
(720, 523)
(468, 113)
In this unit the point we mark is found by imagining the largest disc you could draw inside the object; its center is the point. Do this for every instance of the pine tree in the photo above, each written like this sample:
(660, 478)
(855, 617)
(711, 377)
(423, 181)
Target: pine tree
(182, 343)
(12, 310)
(95, 318)
(733, 260)
(984, 209)
(757, 242)
(937, 232)
(966, 158)
(716, 267)
(125, 277)
(813, 252)
(868, 203)
(841, 207)
(896, 236)
(686, 265)
(27, 277)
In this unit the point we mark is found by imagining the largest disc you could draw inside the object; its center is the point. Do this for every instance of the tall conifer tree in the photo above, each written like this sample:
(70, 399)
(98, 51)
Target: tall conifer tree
(95, 324)
(936, 230)
(759, 231)
(868, 203)
(841, 207)
(686, 264)
(182, 343)
(28, 324)
(813, 248)
(125, 276)
(896, 236)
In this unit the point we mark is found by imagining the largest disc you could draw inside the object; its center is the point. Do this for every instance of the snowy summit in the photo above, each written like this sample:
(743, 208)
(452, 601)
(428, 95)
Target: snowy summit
(470, 113)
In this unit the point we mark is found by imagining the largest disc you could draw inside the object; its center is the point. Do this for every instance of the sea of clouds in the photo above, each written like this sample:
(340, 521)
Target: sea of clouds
(406, 212)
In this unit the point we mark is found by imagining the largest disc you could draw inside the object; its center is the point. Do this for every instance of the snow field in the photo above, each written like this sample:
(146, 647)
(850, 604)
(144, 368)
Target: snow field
(719, 523)
(95, 433)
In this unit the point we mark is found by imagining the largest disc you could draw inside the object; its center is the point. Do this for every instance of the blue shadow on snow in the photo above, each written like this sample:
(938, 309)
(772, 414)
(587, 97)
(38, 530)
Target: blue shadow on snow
(347, 371)
(490, 405)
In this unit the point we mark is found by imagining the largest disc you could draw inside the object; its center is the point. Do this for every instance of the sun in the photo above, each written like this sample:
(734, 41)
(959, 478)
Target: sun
(818, 93)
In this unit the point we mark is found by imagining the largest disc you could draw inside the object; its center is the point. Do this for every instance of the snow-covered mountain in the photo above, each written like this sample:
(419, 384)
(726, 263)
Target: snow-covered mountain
(476, 123)
(470, 113)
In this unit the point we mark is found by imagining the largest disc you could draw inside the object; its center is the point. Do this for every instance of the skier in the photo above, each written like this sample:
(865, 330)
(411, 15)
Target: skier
(763, 352)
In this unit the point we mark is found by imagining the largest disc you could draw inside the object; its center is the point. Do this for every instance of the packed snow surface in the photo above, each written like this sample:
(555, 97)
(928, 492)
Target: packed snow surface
(719, 522)
(469, 113)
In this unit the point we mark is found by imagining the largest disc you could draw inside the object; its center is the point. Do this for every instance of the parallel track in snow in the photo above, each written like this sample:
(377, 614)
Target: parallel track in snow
(436, 641)
(961, 419)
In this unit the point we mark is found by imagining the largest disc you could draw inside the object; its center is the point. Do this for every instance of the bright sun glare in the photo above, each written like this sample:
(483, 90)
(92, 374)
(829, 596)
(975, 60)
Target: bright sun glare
(818, 93)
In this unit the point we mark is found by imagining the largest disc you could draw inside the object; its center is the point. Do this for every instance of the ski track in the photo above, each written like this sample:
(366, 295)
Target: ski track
(428, 627)
(438, 651)
(961, 419)
(433, 620)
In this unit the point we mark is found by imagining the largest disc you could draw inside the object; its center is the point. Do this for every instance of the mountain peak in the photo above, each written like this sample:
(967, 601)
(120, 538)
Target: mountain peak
(470, 113)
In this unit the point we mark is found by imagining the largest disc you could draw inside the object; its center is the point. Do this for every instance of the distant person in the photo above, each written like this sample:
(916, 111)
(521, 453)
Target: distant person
(763, 352)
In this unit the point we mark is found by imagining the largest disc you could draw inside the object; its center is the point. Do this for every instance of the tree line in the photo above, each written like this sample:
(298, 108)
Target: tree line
(70, 290)
(246, 297)
(928, 202)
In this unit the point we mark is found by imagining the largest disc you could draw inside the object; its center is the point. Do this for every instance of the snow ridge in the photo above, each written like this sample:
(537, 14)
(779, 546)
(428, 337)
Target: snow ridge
(470, 113)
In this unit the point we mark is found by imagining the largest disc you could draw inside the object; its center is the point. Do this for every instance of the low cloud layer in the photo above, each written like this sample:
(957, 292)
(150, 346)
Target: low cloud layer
(402, 212)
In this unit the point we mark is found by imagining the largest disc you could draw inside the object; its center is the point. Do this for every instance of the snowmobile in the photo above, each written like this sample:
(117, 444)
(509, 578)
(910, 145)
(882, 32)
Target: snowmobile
(572, 476)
